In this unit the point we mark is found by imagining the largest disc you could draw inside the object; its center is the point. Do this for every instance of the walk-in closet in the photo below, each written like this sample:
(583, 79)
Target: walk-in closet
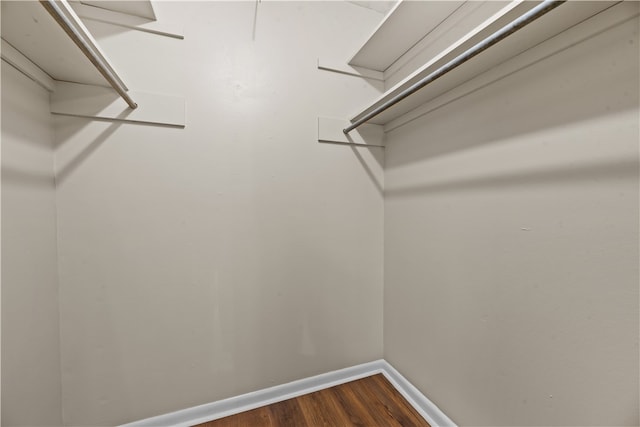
(320, 213)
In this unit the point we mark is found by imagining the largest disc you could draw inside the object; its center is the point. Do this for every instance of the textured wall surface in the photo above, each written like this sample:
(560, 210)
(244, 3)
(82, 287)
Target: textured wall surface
(232, 255)
(511, 243)
(31, 393)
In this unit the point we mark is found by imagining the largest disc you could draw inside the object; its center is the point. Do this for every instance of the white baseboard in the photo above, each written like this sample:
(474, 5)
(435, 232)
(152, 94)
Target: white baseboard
(245, 402)
(426, 408)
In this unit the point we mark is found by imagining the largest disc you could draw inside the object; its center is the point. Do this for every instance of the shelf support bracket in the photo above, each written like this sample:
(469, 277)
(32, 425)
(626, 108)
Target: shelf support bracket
(330, 131)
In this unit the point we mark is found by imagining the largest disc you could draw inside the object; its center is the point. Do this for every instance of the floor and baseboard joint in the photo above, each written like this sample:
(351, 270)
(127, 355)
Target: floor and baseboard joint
(245, 402)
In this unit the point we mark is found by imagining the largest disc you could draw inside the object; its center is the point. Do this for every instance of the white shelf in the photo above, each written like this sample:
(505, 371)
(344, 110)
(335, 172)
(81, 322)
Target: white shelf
(34, 43)
(31, 30)
(546, 27)
(405, 25)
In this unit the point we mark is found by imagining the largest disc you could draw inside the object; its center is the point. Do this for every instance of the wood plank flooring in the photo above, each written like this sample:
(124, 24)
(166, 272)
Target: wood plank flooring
(370, 402)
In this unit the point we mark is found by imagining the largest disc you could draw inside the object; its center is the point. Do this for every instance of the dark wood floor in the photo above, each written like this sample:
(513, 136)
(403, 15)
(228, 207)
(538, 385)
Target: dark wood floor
(371, 402)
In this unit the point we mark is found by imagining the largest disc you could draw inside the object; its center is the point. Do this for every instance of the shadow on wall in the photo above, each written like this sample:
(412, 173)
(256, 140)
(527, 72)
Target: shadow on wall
(64, 171)
(74, 125)
(595, 77)
(378, 155)
(611, 170)
(23, 178)
(21, 111)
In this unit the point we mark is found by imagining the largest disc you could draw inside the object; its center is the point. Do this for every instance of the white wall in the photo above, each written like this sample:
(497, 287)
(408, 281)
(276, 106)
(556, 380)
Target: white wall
(238, 253)
(232, 255)
(511, 243)
(30, 330)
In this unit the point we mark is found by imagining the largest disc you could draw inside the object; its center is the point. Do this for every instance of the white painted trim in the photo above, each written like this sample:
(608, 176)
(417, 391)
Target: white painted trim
(15, 58)
(234, 405)
(256, 399)
(342, 68)
(330, 131)
(426, 408)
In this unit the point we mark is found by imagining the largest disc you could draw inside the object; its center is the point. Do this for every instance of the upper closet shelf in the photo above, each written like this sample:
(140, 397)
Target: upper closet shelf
(404, 26)
(28, 27)
(51, 35)
(547, 26)
(48, 42)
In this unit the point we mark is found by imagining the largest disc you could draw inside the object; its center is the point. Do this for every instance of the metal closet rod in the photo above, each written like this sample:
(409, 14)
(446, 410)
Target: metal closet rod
(90, 51)
(494, 38)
